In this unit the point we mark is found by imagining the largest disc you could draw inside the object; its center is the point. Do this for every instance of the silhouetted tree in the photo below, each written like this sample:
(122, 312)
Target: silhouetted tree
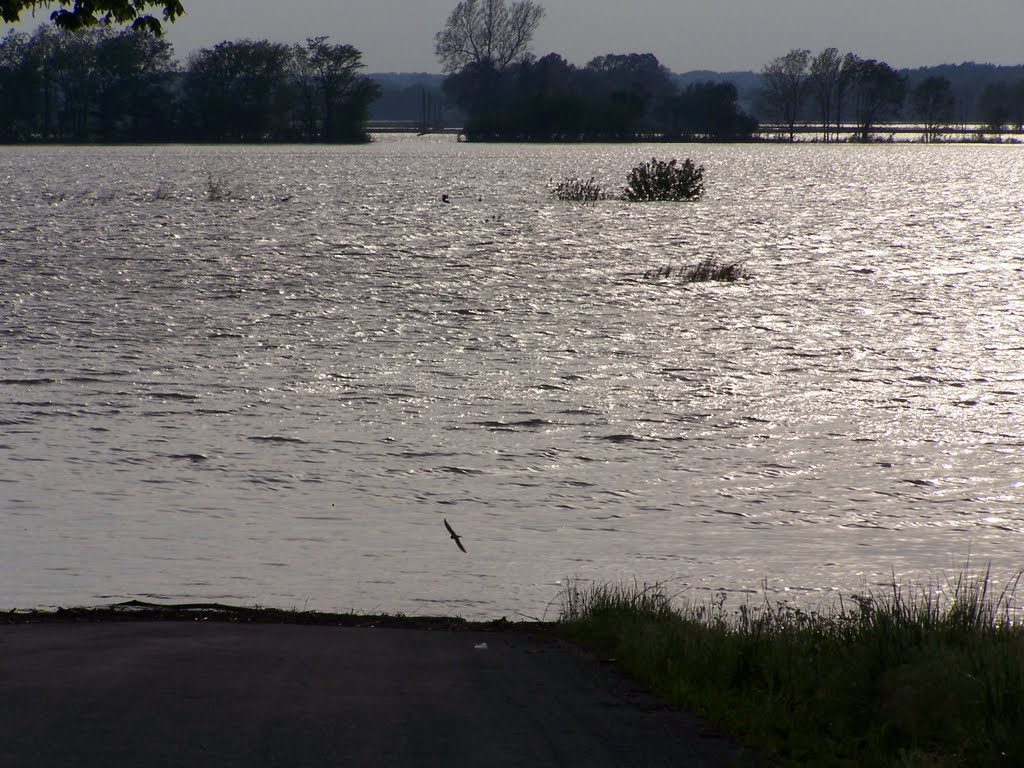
(344, 94)
(71, 63)
(821, 82)
(711, 111)
(785, 86)
(89, 13)
(994, 104)
(844, 84)
(134, 74)
(1016, 104)
(238, 91)
(878, 91)
(487, 33)
(474, 89)
(19, 88)
(933, 103)
(630, 93)
(552, 106)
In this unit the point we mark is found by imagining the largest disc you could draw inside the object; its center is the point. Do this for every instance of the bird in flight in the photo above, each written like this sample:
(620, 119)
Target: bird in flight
(455, 536)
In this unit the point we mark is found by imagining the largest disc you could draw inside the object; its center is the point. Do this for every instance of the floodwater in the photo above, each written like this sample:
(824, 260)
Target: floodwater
(265, 375)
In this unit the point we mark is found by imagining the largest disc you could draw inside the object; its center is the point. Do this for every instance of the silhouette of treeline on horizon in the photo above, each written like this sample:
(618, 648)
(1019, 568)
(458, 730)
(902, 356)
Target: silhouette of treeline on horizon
(103, 84)
(108, 85)
(632, 96)
(614, 97)
(799, 90)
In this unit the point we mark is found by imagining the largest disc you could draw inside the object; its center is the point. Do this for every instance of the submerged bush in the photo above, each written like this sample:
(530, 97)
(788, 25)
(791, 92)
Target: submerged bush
(661, 180)
(710, 269)
(218, 190)
(577, 190)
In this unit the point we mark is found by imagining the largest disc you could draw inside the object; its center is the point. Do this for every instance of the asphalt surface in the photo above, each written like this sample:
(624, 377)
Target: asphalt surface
(196, 694)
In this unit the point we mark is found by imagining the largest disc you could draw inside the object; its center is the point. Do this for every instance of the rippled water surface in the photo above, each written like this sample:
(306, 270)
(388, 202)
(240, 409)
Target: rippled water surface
(265, 374)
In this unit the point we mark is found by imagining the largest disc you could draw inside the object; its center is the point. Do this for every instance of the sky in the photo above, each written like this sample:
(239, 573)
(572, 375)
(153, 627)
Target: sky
(720, 35)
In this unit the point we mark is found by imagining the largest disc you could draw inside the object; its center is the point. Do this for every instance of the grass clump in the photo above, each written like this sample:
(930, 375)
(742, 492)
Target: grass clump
(905, 677)
(577, 190)
(661, 180)
(708, 270)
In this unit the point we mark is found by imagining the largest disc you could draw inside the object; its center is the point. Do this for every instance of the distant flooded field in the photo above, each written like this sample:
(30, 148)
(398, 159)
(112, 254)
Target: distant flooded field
(265, 375)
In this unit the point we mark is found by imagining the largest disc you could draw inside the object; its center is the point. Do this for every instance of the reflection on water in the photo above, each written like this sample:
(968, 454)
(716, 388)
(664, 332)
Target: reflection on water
(276, 398)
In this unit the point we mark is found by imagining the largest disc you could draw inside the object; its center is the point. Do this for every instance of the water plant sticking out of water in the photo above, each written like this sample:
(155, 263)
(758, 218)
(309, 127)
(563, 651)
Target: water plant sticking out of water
(577, 190)
(708, 270)
(218, 189)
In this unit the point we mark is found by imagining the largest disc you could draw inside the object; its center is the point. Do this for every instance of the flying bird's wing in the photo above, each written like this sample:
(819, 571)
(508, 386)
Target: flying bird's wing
(458, 539)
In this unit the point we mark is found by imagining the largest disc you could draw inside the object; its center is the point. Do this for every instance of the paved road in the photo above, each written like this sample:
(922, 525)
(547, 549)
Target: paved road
(196, 694)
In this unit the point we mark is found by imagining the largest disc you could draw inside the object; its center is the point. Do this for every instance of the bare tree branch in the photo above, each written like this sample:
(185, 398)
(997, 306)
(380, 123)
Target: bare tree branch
(487, 31)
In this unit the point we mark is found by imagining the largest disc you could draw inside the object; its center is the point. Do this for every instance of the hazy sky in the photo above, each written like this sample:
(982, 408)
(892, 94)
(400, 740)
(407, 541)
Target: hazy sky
(397, 35)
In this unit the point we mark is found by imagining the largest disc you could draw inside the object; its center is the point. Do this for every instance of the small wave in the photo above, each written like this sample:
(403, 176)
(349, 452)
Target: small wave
(461, 470)
(525, 423)
(193, 457)
(172, 396)
(28, 382)
(626, 438)
(277, 439)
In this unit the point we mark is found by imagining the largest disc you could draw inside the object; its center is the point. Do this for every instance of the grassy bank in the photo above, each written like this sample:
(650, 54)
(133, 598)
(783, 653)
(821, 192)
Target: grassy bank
(907, 676)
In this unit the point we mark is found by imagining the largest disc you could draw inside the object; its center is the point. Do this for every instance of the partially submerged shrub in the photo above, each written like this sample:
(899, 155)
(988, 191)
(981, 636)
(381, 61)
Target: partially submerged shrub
(577, 190)
(710, 269)
(217, 189)
(661, 180)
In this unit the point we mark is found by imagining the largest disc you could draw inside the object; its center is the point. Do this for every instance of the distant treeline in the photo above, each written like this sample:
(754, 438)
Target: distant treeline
(976, 89)
(846, 93)
(107, 85)
(614, 97)
(633, 96)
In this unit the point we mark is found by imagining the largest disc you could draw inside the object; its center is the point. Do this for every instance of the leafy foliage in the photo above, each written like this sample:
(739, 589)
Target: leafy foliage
(89, 14)
(661, 180)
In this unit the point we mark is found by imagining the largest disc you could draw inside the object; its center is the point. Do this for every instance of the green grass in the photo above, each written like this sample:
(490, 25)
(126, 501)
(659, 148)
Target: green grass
(910, 676)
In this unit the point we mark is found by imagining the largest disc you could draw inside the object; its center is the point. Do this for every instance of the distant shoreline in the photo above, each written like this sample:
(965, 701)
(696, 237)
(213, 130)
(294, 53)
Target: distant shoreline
(138, 610)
